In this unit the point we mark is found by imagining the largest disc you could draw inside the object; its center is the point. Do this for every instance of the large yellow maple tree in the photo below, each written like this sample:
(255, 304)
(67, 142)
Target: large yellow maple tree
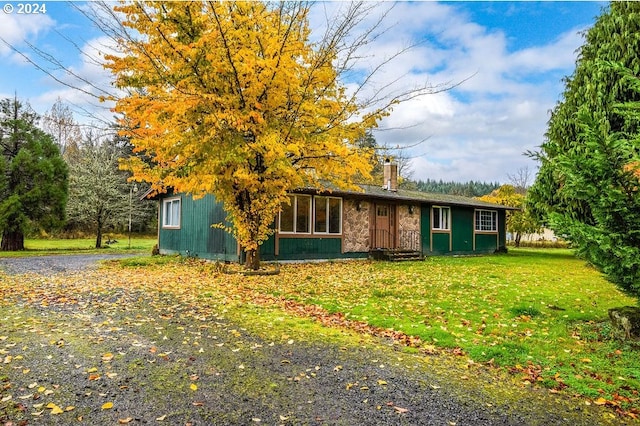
(234, 99)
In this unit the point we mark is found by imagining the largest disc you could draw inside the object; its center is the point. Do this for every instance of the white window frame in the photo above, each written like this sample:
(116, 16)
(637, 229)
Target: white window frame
(441, 216)
(328, 227)
(486, 224)
(294, 205)
(169, 219)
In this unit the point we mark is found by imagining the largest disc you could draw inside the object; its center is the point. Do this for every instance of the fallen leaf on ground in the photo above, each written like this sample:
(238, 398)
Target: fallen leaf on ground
(54, 408)
(600, 401)
(107, 405)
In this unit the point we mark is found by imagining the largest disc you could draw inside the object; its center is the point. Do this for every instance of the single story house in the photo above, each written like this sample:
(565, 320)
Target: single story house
(379, 222)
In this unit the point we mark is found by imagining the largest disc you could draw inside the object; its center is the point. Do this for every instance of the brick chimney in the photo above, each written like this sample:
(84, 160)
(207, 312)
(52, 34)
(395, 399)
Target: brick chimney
(390, 173)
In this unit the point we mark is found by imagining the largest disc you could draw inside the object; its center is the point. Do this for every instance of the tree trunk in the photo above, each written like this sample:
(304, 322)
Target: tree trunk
(12, 241)
(518, 238)
(99, 237)
(252, 260)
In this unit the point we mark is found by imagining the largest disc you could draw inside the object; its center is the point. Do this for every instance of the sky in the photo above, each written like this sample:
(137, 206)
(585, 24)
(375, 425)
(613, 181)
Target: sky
(505, 60)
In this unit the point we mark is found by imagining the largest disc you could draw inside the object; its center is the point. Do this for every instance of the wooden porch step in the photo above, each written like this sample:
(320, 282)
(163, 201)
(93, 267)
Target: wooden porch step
(396, 255)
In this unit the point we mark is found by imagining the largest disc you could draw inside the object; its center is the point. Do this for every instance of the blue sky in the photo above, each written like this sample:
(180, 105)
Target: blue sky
(511, 56)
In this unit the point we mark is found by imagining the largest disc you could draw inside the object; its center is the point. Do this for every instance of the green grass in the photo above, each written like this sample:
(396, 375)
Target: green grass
(540, 313)
(45, 246)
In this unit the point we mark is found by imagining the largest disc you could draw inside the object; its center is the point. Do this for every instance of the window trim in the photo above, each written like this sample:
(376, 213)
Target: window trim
(327, 200)
(294, 205)
(448, 216)
(478, 221)
(166, 203)
(311, 231)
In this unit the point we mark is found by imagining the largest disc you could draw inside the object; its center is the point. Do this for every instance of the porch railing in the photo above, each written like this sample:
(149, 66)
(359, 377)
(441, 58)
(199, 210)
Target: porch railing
(404, 240)
(409, 240)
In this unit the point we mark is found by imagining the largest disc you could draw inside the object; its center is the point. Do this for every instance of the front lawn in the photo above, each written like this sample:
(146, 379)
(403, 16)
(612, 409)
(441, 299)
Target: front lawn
(118, 244)
(537, 317)
(540, 314)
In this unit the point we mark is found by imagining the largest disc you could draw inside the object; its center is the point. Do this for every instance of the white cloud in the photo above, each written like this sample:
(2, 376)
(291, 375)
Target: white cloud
(480, 129)
(15, 29)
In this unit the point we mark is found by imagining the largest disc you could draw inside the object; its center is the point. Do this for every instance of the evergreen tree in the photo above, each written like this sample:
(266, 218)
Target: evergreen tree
(615, 37)
(33, 187)
(587, 187)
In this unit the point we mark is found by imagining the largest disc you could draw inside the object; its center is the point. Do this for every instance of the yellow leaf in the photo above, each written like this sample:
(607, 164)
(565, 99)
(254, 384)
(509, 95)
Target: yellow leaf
(92, 370)
(125, 421)
(107, 357)
(382, 382)
(70, 408)
(193, 386)
(600, 401)
(55, 409)
(107, 405)
(585, 360)
(161, 418)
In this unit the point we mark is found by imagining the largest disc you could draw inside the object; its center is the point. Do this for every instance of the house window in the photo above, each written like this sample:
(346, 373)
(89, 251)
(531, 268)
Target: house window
(327, 215)
(486, 220)
(441, 218)
(171, 213)
(295, 218)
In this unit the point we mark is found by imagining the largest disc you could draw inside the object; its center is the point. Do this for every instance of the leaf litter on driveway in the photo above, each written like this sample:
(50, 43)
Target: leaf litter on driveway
(164, 345)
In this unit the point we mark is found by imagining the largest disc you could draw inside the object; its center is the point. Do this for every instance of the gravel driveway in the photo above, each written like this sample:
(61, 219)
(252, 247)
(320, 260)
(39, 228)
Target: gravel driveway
(47, 265)
(241, 379)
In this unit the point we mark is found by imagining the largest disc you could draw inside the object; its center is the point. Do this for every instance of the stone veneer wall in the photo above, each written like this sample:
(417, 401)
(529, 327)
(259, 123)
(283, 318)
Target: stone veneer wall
(406, 221)
(355, 226)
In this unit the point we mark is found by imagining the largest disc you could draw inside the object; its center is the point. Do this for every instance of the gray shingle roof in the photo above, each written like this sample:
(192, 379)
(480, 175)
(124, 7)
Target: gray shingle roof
(377, 192)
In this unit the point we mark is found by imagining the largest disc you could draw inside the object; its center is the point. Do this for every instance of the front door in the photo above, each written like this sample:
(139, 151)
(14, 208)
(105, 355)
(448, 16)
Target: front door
(384, 226)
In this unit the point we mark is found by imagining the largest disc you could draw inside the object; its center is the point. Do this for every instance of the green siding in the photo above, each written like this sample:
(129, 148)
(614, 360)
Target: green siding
(425, 228)
(489, 243)
(462, 223)
(461, 238)
(268, 248)
(486, 243)
(502, 229)
(198, 237)
(195, 233)
(310, 248)
(441, 243)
